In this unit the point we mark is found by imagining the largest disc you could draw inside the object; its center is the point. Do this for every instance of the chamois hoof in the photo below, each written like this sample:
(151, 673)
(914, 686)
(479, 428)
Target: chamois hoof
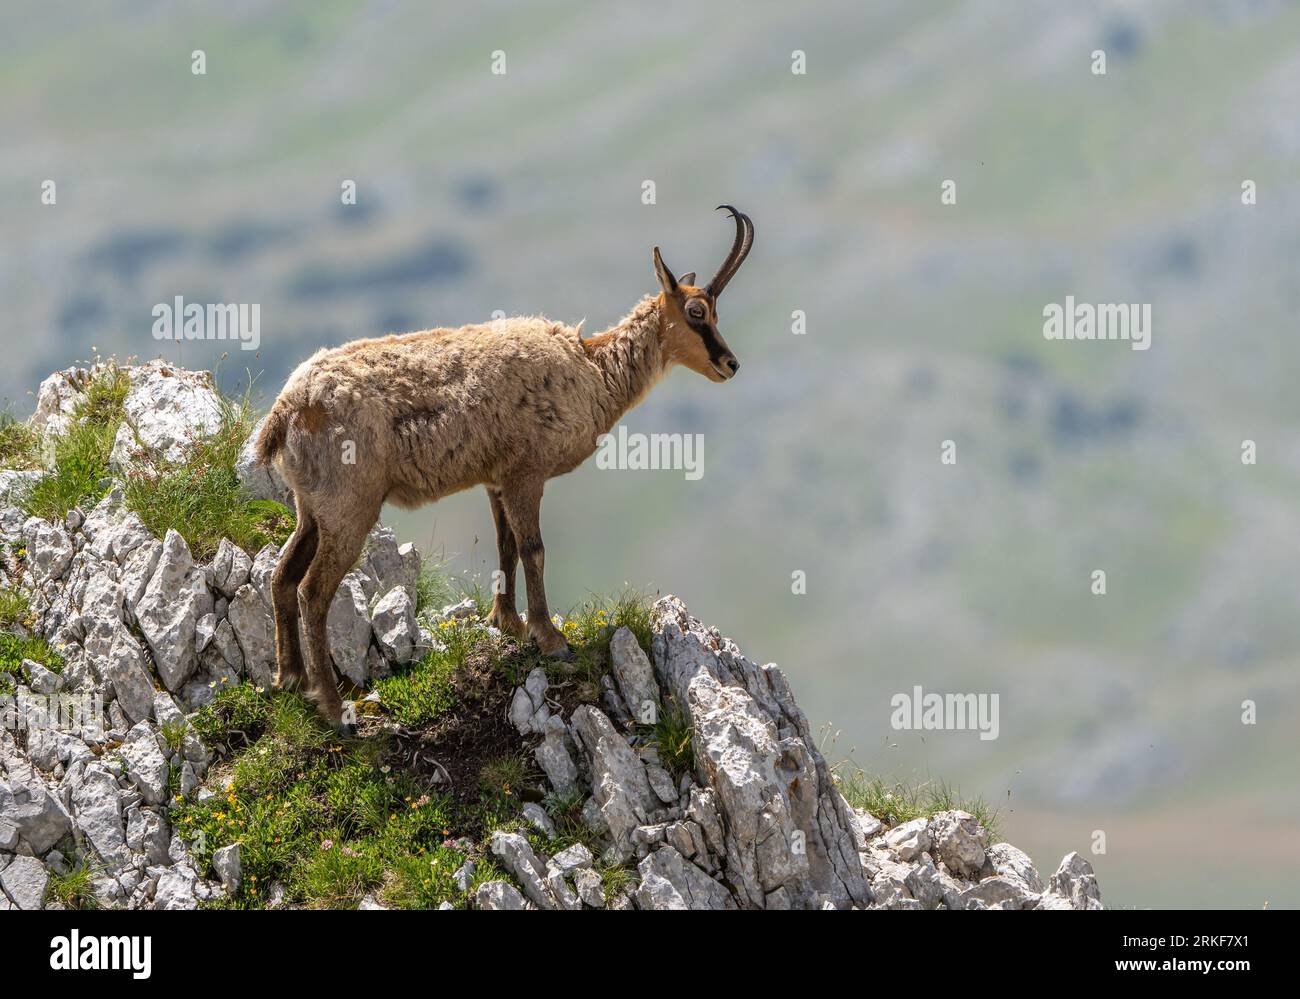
(564, 655)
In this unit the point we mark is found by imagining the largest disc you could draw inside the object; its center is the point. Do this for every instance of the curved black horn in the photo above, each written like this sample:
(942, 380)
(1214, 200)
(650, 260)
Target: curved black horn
(739, 250)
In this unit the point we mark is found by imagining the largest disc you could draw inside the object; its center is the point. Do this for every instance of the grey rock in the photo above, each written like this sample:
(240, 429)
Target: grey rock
(226, 864)
(929, 885)
(264, 563)
(253, 626)
(1000, 892)
(464, 875)
(889, 882)
(957, 839)
(909, 840)
(466, 608)
(635, 675)
(42, 681)
(385, 564)
(204, 630)
(113, 532)
(528, 709)
(176, 890)
(619, 784)
(226, 644)
(499, 895)
(165, 711)
(662, 784)
(49, 550)
(520, 860)
(30, 815)
(393, 621)
(703, 811)
(165, 410)
(148, 833)
(786, 825)
(97, 808)
(58, 397)
(535, 815)
(687, 838)
(125, 668)
(670, 881)
(15, 485)
(1011, 862)
(145, 763)
(554, 758)
(176, 597)
(612, 701)
(24, 881)
(137, 571)
(868, 824)
(348, 628)
(590, 887)
(571, 859)
(1076, 882)
(230, 568)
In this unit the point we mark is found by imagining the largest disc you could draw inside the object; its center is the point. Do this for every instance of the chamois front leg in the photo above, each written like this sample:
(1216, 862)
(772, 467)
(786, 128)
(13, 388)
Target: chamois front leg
(523, 505)
(504, 613)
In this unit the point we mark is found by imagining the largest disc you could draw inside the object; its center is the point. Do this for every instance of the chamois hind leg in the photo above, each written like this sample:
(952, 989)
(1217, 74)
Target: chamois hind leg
(505, 613)
(298, 552)
(523, 505)
(339, 543)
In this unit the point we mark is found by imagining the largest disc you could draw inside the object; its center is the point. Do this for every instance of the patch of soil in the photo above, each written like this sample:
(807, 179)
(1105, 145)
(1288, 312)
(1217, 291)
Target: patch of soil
(450, 752)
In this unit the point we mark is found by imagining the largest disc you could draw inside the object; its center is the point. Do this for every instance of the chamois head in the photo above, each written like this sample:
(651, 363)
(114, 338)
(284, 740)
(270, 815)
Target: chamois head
(690, 318)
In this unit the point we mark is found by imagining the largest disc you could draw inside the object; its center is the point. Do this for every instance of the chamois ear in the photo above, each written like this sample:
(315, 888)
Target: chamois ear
(687, 278)
(666, 279)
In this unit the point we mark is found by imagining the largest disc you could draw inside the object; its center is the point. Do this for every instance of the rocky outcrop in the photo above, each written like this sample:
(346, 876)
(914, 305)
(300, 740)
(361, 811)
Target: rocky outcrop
(760, 823)
(147, 634)
(91, 754)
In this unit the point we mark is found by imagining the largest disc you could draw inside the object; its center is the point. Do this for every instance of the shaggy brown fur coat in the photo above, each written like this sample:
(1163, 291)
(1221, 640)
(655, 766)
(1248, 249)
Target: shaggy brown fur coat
(411, 418)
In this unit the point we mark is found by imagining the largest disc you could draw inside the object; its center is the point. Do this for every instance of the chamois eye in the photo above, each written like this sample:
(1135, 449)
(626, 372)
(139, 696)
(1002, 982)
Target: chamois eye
(695, 310)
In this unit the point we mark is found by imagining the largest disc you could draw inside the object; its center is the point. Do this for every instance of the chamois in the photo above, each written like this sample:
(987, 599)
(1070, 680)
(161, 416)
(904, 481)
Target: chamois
(409, 418)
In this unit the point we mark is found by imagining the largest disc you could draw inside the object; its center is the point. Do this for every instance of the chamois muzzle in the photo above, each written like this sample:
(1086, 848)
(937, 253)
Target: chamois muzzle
(727, 366)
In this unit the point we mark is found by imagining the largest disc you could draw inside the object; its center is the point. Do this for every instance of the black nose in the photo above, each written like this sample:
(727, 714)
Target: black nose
(731, 364)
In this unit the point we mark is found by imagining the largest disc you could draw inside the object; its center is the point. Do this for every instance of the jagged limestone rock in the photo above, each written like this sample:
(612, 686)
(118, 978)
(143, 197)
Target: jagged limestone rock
(393, 621)
(176, 597)
(620, 787)
(165, 409)
(789, 834)
(670, 881)
(634, 674)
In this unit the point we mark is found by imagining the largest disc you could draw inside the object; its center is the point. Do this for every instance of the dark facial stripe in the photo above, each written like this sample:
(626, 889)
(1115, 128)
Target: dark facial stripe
(711, 342)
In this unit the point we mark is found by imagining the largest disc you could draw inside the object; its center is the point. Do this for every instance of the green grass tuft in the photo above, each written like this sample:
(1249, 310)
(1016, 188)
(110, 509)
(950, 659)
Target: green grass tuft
(616, 880)
(323, 817)
(421, 694)
(14, 649)
(897, 801)
(237, 716)
(588, 629)
(14, 607)
(200, 495)
(79, 476)
(73, 889)
(505, 775)
(672, 738)
(20, 445)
